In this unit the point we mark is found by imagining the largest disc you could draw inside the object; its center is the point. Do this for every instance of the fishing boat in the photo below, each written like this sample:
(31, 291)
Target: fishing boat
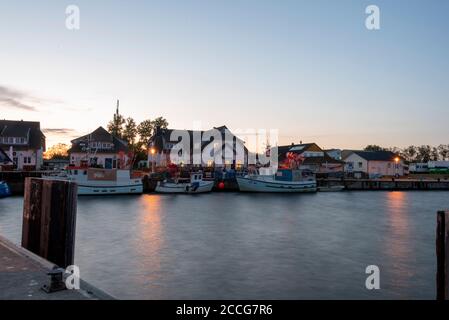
(4, 190)
(195, 184)
(96, 181)
(284, 180)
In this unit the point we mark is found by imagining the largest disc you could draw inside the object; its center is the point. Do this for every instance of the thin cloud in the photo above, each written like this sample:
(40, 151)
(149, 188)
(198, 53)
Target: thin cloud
(60, 131)
(16, 99)
(12, 98)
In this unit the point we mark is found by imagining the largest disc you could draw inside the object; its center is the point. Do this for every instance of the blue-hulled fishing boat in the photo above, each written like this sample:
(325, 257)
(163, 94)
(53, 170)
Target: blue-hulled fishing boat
(4, 190)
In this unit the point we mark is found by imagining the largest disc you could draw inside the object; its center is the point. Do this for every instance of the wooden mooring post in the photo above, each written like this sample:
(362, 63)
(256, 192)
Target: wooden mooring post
(49, 219)
(442, 251)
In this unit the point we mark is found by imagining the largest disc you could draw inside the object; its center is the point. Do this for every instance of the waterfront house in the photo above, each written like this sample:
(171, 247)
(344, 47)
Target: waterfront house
(23, 142)
(163, 141)
(312, 157)
(374, 164)
(100, 149)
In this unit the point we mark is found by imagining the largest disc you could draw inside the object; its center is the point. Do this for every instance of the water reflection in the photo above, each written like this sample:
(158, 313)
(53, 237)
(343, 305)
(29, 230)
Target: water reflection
(150, 238)
(398, 240)
(247, 246)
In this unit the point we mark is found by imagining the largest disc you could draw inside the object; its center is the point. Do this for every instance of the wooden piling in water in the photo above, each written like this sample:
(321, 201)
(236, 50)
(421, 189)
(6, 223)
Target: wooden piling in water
(49, 219)
(442, 252)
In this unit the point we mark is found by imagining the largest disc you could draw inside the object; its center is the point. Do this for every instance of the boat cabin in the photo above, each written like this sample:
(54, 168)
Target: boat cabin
(292, 175)
(196, 177)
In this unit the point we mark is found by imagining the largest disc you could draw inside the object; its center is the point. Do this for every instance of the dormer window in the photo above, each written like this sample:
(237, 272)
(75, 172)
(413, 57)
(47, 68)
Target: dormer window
(13, 140)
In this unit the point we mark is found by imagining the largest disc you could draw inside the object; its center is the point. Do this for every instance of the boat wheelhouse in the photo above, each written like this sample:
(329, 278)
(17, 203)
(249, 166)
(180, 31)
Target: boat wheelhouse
(284, 181)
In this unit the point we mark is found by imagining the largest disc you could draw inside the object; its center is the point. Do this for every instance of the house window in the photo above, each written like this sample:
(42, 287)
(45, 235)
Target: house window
(389, 165)
(360, 164)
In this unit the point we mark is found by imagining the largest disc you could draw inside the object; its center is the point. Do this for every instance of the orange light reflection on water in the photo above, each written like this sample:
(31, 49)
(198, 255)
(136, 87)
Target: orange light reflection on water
(398, 235)
(150, 238)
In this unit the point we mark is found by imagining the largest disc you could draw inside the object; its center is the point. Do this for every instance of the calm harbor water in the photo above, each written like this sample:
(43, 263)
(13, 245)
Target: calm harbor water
(254, 246)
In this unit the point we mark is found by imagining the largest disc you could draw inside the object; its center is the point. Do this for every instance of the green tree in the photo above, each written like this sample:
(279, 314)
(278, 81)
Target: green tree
(434, 154)
(443, 151)
(409, 153)
(115, 126)
(130, 131)
(373, 147)
(145, 131)
(160, 122)
(424, 153)
(57, 152)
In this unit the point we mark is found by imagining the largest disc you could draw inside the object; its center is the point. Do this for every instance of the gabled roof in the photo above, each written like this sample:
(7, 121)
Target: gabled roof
(23, 129)
(162, 136)
(4, 158)
(303, 147)
(376, 155)
(99, 135)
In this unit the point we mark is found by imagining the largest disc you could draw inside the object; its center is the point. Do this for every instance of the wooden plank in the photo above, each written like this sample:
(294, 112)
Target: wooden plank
(31, 226)
(50, 220)
(61, 230)
(442, 252)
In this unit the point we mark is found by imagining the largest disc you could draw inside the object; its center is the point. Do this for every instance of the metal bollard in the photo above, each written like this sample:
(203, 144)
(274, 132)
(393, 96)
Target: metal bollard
(56, 280)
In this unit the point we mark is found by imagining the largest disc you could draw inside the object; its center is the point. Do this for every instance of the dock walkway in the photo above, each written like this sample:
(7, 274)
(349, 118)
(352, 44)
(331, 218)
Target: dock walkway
(22, 274)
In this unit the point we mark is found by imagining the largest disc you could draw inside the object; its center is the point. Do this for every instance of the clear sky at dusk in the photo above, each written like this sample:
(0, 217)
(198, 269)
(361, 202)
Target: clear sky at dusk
(308, 68)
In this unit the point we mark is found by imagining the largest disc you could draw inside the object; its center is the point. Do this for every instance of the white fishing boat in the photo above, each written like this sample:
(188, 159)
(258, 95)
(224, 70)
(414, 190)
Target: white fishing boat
(284, 180)
(95, 181)
(195, 184)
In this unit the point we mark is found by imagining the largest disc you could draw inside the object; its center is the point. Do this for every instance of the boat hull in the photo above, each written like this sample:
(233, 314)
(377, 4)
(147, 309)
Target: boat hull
(256, 185)
(91, 190)
(101, 188)
(168, 187)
